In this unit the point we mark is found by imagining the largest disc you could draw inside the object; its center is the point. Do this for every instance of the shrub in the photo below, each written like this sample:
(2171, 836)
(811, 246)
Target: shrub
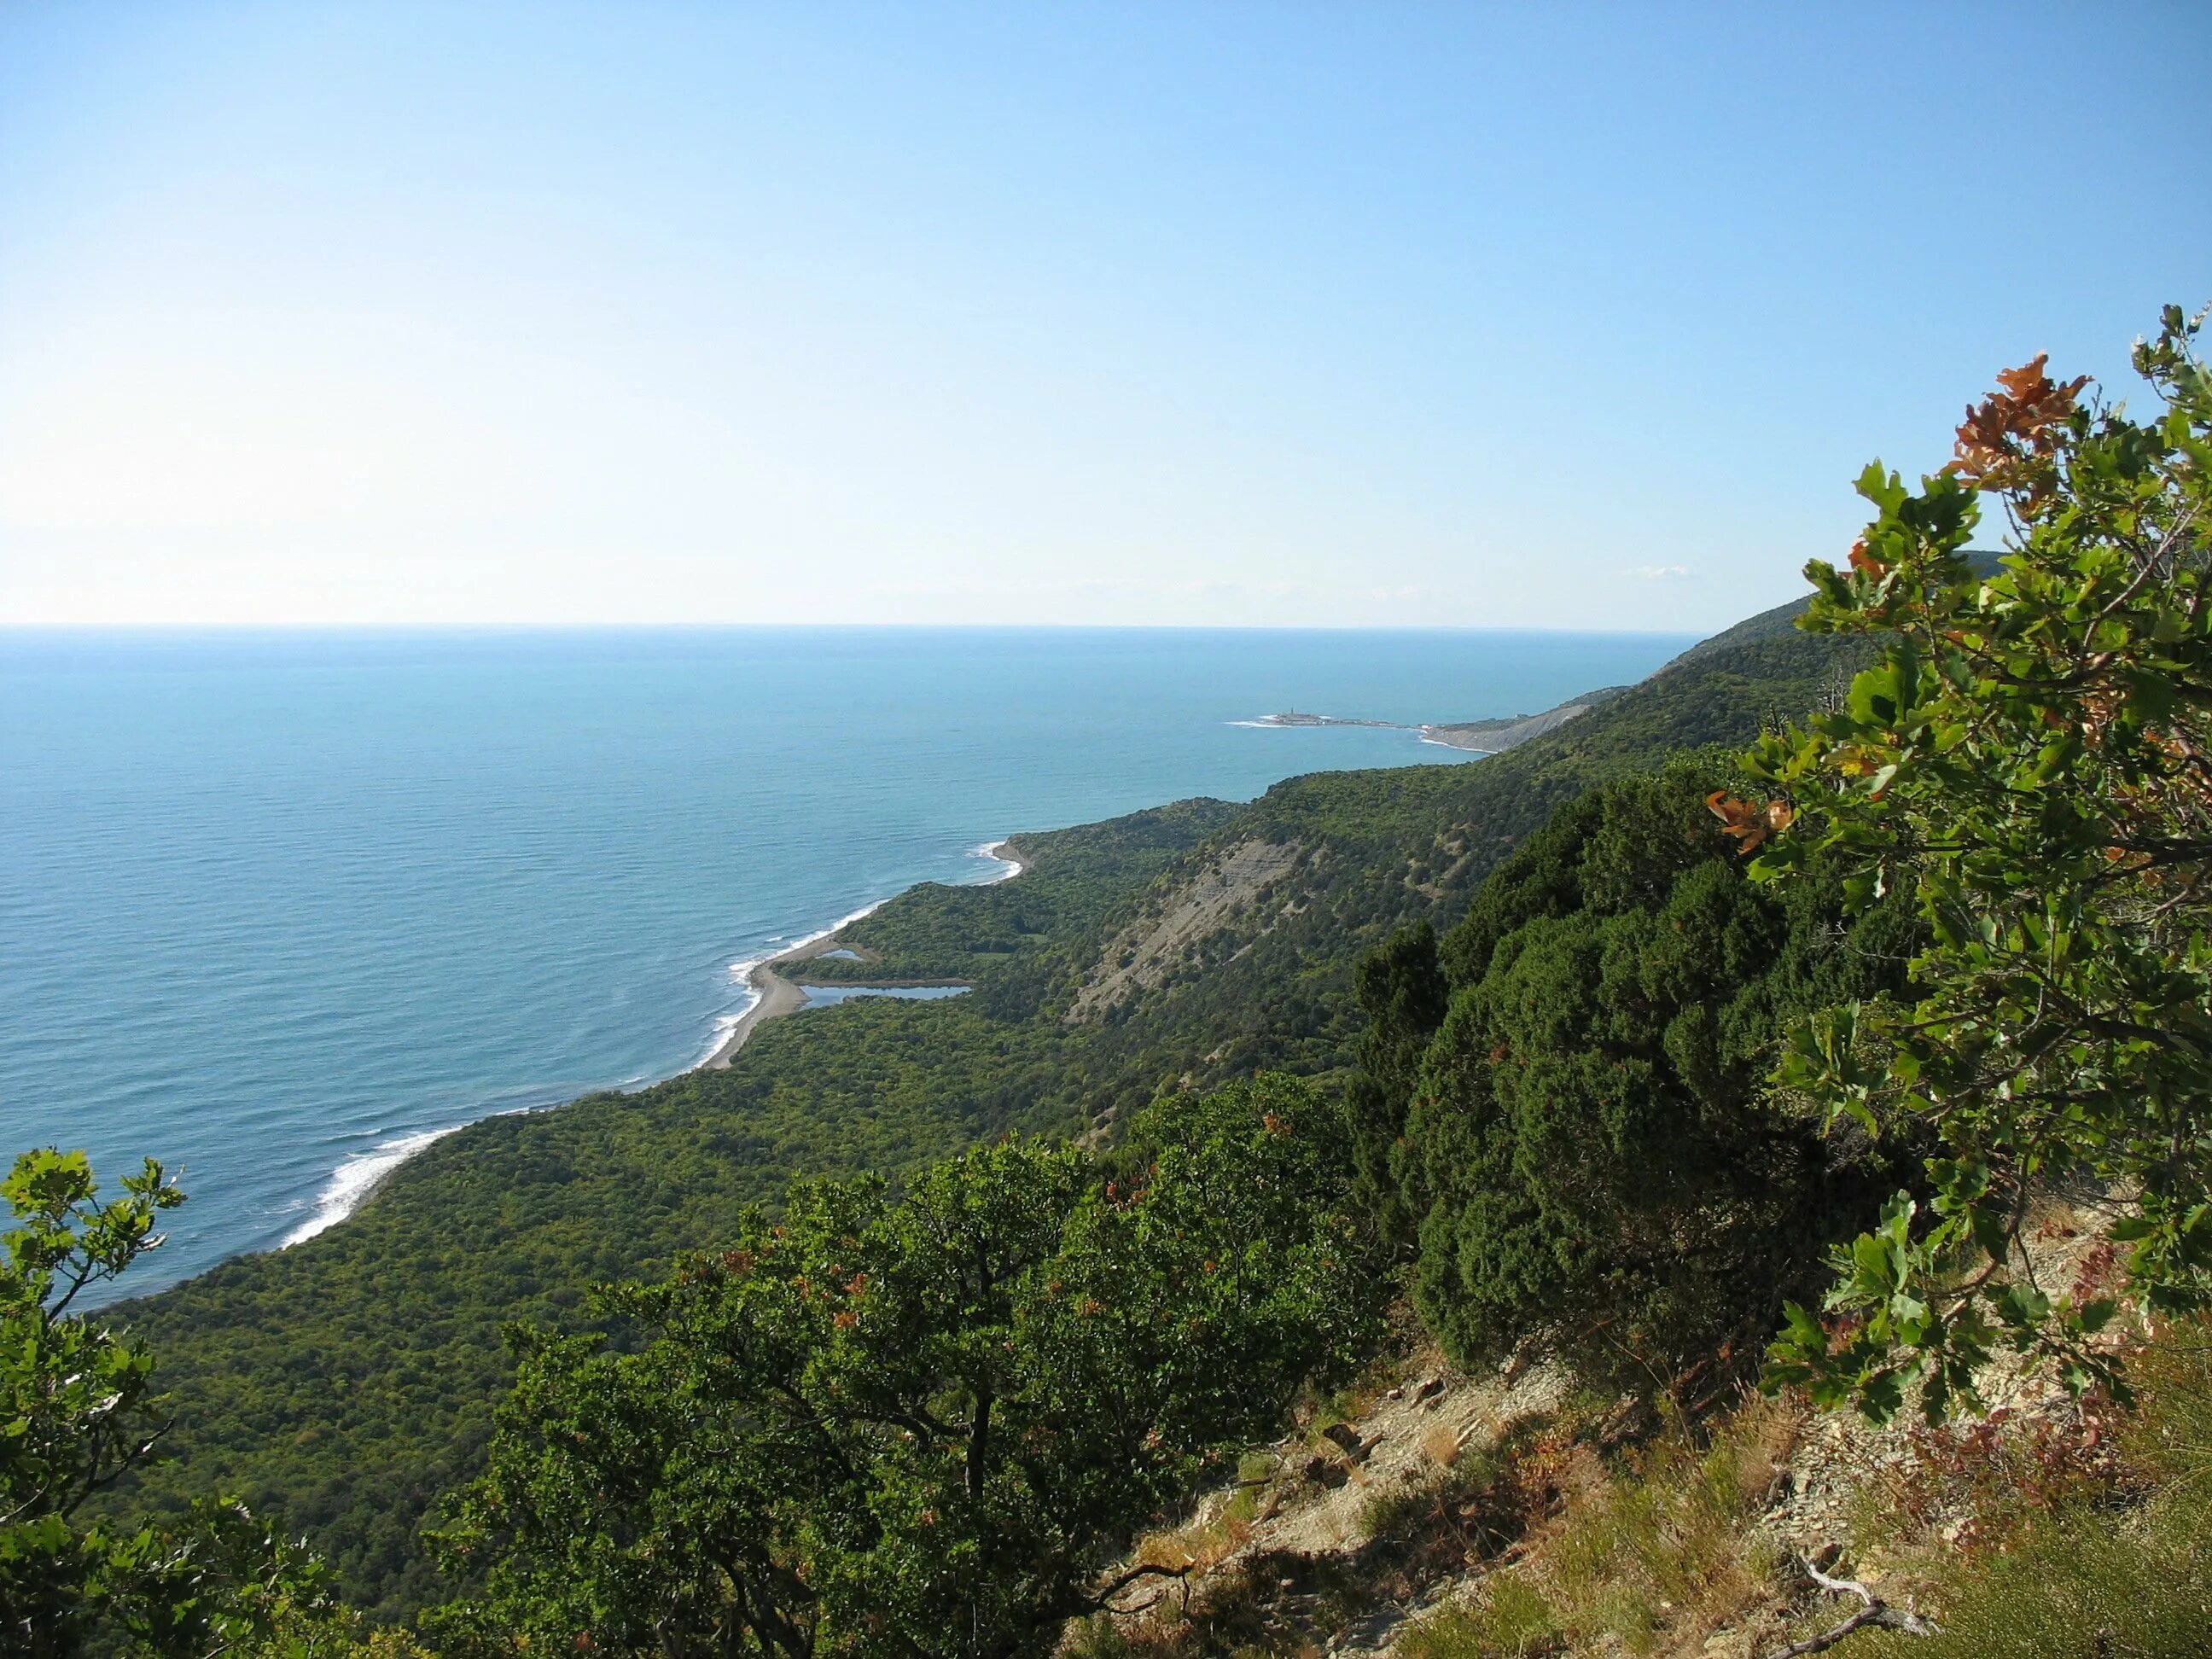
(2031, 762)
(1591, 1150)
(78, 1410)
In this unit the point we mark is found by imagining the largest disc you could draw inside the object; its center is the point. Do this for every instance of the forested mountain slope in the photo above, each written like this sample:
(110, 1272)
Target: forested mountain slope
(343, 1385)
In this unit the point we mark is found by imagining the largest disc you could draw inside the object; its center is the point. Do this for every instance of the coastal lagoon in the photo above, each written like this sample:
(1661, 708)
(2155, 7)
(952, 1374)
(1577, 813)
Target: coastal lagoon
(278, 908)
(829, 996)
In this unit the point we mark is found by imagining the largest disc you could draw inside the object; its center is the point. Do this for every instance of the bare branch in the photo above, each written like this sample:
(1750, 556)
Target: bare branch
(1108, 1592)
(1877, 1612)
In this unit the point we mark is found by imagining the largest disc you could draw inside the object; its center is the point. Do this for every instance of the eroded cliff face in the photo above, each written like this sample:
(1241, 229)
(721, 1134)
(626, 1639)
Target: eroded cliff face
(1489, 738)
(1141, 955)
(1494, 737)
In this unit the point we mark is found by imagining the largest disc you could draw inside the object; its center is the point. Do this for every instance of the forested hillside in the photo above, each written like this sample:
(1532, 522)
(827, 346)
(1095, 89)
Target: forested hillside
(348, 1382)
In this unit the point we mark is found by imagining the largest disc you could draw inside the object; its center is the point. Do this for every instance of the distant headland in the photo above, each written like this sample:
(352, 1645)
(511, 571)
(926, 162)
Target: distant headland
(1489, 736)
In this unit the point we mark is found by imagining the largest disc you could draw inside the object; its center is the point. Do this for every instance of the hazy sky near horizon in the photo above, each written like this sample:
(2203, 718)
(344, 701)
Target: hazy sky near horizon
(1360, 314)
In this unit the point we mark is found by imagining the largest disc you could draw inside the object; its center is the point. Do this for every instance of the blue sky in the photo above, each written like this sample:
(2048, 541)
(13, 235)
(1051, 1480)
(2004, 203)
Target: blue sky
(1363, 314)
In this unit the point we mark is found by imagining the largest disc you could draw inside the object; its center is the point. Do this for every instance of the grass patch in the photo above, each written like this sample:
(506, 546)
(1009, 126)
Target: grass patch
(2128, 1586)
(1653, 1551)
(2113, 1560)
(1355, 1400)
(1506, 1618)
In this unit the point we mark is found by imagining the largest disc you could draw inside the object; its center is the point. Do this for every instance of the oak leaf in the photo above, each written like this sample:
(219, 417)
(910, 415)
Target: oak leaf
(1865, 563)
(2006, 441)
(1749, 823)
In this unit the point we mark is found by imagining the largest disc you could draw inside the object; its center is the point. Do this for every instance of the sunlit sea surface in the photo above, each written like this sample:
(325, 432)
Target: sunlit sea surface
(276, 908)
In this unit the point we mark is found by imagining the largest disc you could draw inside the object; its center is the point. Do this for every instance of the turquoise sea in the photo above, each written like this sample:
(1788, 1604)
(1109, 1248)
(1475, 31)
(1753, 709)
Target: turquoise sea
(276, 906)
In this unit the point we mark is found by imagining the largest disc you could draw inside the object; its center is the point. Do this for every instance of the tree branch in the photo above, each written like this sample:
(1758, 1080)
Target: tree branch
(1876, 1612)
(1108, 1592)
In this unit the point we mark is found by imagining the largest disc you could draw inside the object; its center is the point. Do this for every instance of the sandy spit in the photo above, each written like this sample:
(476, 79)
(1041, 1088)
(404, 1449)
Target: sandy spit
(774, 996)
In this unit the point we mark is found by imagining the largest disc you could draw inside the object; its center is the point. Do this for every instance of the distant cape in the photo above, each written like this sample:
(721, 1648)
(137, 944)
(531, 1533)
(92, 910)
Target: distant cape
(1488, 737)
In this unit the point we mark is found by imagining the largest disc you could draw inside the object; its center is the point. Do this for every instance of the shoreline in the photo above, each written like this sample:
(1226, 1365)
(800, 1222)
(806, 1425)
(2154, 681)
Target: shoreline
(357, 1175)
(353, 1180)
(356, 1178)
(774, 996)
(1003, 851)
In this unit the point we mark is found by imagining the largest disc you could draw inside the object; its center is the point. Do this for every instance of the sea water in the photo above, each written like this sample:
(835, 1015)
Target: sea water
(278, 908)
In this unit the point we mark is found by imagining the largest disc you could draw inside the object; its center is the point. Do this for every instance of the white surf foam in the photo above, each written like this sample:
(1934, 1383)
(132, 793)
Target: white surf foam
(989, 850)
(356, 1178)
(748, 993)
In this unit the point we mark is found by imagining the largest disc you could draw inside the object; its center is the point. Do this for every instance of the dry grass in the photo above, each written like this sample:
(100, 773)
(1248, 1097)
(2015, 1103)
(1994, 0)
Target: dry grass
(1656, 1552)
(1403, 1538)
(2074, 1533)
(1202, 1546)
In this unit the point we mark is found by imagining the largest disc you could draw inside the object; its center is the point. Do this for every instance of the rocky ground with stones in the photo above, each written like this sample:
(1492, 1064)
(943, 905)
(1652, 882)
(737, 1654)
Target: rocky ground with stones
(1398, 1502)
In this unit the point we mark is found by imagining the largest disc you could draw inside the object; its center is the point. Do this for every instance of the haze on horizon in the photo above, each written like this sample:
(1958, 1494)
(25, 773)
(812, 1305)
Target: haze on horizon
(1224, 313)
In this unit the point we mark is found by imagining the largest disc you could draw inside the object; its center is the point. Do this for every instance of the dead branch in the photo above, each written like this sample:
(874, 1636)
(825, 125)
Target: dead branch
(1876, 1612)
(1097, 1602)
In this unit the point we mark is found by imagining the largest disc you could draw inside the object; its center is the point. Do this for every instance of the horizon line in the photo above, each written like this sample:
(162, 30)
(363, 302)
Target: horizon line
(456, 627)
